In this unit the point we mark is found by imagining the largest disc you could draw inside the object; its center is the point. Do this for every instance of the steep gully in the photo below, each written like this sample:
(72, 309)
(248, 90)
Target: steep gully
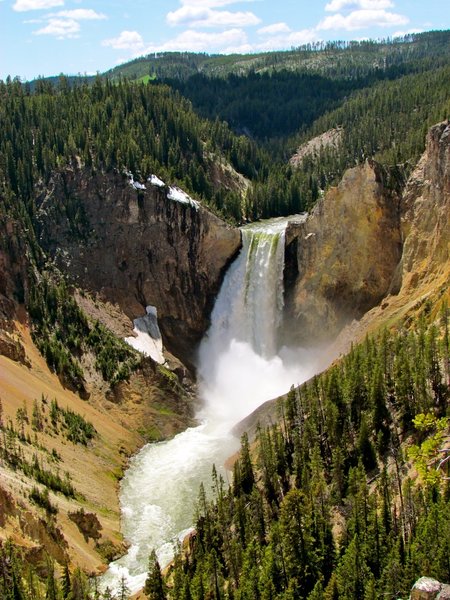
(241, 365)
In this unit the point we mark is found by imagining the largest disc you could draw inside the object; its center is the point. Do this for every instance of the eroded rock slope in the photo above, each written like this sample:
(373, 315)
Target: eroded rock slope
(140, 247)
(371, 241)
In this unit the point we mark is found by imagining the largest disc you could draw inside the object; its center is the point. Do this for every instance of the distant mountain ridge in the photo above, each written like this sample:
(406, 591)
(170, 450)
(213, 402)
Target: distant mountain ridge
(335, 59)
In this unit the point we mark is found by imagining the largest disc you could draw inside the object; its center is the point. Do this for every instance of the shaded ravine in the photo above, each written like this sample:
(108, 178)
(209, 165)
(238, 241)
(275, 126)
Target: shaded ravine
(241, 365)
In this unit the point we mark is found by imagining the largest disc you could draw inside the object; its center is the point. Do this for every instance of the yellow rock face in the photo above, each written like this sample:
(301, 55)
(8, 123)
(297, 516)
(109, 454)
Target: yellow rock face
(366, 244)
(347, 252)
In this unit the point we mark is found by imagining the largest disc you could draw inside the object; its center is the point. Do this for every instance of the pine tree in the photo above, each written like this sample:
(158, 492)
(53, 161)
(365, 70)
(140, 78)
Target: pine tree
(154, 587)
(365, 447)
(52, 588)
(245, 478)
(298, 542)
(124, 590)
(65, 582)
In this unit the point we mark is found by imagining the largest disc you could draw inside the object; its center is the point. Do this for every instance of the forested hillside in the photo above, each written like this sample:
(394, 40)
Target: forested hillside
(339, 59)
(132, 128)
(343, 497)
(323, 504)
(384, 96)
(387, 122)
(270, 104)
(137, 130)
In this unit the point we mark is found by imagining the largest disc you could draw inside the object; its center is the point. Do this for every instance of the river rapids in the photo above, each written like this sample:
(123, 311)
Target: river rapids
(241, 365)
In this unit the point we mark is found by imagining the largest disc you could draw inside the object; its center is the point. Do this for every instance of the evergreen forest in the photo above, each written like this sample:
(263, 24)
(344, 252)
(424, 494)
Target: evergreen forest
(253, 121)
(347, 495)
(322, 505)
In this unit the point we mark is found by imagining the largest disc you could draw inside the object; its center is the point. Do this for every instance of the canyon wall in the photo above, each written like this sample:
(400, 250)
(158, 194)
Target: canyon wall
(139, 247)
(425, 217)
(341, 260)
(369, 238)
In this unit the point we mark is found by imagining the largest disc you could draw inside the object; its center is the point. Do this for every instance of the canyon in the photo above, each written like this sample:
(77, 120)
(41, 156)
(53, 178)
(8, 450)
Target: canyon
(373, 249)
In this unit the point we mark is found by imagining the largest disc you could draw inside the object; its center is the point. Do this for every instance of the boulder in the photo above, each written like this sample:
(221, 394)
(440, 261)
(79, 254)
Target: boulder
(425, 588)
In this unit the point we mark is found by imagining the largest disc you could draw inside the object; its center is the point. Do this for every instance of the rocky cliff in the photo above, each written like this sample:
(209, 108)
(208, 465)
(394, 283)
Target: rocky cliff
(139, 245)
(371, 242)
(341, 260)
(425, 216)
(13, 284)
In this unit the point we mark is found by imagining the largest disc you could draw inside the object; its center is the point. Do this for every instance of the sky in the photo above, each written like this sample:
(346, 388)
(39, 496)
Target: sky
(49, 37)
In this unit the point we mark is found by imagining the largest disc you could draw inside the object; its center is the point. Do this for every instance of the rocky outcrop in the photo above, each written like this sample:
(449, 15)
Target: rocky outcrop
(11, 346)
(341, 260)
(371, 244)
(34, 533)
(14, 266)
(425, 219)
(87, 523)
(312, 148)
(368, 239)
(427, 588)
(138, 246)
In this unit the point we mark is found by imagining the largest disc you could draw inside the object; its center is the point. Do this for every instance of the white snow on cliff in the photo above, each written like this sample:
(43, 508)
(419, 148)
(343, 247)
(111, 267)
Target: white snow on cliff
(147, 338)
(179, 196)
(154, 180)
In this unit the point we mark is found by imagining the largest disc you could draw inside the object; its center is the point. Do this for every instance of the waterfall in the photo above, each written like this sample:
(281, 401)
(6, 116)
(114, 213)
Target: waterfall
(240, 363)
(240, 366)
(250, 304)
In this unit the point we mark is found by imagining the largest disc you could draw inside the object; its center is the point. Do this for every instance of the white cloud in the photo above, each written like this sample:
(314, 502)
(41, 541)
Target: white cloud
(232, 41)
(60, 28)
(297, 38)
(337, 5)
(127, 40)
(242, 49)
(200, 41)
(203, 16)
(65, 23)
(274, 28)
(79, 14)
(361, 19)
(211, 3)
(287, 40)
(402, 33)
(24, 5)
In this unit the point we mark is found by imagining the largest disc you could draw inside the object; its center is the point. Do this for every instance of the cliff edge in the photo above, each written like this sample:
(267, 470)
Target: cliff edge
(140, 245)
(341, 260)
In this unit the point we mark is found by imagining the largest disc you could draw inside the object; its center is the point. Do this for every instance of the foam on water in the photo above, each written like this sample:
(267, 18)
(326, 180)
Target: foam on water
(240, 367)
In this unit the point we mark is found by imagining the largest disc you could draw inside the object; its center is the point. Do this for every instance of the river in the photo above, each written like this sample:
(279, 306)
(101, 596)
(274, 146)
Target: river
(241, 365)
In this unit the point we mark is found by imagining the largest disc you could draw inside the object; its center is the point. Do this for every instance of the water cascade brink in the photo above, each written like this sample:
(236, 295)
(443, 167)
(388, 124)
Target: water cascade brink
(240, 366)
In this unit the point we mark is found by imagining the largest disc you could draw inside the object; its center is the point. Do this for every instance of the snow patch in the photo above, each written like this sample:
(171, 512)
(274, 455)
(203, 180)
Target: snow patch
(138, 186)
(179, 196)
(135, 184)
(154, 180)
(147, 338)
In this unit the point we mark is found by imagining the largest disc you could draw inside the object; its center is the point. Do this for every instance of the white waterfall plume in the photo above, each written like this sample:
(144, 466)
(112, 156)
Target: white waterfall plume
(240, 366)
(250, 304)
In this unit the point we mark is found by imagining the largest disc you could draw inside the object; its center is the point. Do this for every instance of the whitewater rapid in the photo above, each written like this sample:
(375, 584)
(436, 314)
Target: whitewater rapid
(241, 365)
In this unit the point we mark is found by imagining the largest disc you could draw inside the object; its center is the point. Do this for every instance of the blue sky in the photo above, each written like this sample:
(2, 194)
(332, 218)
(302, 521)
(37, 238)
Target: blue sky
(48, 37)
